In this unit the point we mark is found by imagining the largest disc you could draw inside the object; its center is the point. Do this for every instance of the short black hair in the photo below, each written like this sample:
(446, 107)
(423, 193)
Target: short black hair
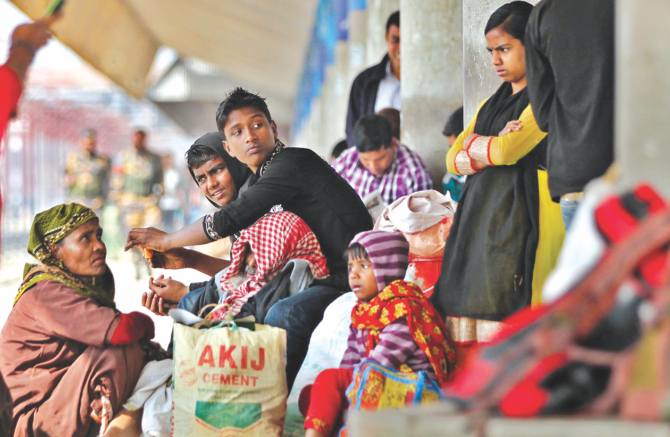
(512, 18)
(394, 20)
(141, 132)
(198, 154)
(454, 124)
(239, 98)
(392, 115)
(372, 132)
(357, 252)
(339, 148)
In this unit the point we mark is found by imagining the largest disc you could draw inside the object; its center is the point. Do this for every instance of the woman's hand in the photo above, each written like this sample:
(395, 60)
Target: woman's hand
(173, 259)
(151, 238)
(478, 165)
(168, 289)
(512, 126)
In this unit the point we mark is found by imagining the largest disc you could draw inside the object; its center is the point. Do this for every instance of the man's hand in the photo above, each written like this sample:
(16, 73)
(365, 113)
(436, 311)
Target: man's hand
(155, 304)
(512, 126)
(173, 259)
(151, 238)
(169, 290)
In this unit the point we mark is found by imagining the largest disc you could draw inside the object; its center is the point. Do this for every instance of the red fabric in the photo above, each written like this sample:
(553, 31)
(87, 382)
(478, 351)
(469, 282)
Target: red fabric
(131, 328)
(328, 399)
(275, 239)
(528, 398)
(404, 299)
(617, 223)
(10, 92)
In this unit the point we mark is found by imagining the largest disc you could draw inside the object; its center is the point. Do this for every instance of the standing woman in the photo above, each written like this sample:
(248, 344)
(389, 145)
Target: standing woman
(507, 232)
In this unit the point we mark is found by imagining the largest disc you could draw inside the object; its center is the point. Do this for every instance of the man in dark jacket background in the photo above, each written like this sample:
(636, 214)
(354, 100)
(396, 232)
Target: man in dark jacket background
(378, 87)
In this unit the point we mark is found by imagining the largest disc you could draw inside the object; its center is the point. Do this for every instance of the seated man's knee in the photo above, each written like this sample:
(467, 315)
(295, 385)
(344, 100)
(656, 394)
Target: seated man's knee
(278, 316)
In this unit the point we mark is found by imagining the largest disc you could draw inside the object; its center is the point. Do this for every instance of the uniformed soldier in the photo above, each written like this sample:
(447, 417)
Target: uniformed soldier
(87, 174)
(138, 185)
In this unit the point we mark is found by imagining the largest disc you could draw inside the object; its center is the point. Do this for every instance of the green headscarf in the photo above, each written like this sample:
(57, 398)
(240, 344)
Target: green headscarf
(51, 226)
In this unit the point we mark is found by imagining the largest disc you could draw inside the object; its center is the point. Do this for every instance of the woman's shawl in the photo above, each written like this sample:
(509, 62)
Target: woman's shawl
(487, 270)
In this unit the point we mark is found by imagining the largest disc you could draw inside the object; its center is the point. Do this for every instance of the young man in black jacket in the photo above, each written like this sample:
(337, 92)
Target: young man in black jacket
(378, 87)
(291, 179)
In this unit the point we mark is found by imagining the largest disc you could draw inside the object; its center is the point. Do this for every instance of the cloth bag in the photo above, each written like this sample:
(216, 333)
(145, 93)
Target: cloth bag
(229, 381)
(376, 387)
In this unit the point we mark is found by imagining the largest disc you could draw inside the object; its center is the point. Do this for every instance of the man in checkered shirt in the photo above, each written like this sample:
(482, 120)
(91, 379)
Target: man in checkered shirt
(380, 163)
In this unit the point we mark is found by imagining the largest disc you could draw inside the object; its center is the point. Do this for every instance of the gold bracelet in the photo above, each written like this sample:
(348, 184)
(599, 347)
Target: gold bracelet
(479, 149)
(463, 163)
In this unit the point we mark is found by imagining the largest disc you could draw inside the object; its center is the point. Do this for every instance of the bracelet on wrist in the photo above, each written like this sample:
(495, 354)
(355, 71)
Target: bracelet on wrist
(24, 44)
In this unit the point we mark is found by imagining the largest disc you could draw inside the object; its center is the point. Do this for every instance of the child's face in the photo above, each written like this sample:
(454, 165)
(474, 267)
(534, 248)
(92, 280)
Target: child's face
(249, 263)
(362, 279)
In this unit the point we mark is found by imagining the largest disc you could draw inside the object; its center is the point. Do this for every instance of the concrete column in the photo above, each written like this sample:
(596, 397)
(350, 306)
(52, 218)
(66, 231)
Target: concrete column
(480, 78)
(431, 76)
(378, 13)
(642, 89)
(358, 32)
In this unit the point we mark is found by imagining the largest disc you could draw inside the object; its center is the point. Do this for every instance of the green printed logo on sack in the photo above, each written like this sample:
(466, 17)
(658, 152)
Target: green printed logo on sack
(221, 417)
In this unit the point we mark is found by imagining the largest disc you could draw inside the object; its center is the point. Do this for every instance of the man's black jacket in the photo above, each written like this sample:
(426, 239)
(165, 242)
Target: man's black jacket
(363, 95)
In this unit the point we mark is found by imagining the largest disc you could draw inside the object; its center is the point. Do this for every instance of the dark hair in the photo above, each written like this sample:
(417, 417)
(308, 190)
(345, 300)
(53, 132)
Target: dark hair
(141, 132)
(339, 148)
(198, 154)
(392, 115)
(512, 18)
(239, 98)
(394, 20)
(356, 251)
(454, 124)
(372, 132)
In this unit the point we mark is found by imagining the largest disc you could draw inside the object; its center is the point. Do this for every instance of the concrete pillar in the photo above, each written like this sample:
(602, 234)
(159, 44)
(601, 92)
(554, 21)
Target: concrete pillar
(480, 78)
(358, 32)
(378, 13)
(642, 88)
(431, 76)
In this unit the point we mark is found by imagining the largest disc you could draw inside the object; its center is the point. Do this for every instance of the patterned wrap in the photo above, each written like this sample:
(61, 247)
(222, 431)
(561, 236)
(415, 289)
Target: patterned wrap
(404, 299)
(51, 226)
(388, 252)
(275, 239)
(54, 224)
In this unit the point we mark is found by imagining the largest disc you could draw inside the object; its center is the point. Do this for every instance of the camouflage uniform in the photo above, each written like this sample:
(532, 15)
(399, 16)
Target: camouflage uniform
(87, 178)
(139, 186)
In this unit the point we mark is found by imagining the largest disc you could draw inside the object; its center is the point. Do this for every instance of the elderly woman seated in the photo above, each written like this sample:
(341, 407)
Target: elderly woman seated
(67, 354)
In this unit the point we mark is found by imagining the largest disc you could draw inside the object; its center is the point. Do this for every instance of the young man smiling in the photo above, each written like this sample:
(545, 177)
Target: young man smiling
(221, 178)
(300, 182)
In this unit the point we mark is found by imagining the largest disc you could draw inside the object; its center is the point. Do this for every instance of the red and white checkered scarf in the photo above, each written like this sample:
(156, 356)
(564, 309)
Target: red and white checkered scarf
(275, 239)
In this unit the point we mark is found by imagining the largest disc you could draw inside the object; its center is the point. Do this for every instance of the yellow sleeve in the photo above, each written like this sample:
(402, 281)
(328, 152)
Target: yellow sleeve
(508, 149)
(458, 145)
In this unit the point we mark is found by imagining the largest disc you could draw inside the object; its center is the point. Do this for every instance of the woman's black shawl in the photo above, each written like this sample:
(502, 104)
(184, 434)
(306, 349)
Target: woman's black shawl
(487, 271)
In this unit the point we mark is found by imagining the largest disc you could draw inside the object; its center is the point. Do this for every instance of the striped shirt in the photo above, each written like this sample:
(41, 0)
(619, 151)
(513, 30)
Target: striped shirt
(406, 175)
(388, 93)
(396, 347)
